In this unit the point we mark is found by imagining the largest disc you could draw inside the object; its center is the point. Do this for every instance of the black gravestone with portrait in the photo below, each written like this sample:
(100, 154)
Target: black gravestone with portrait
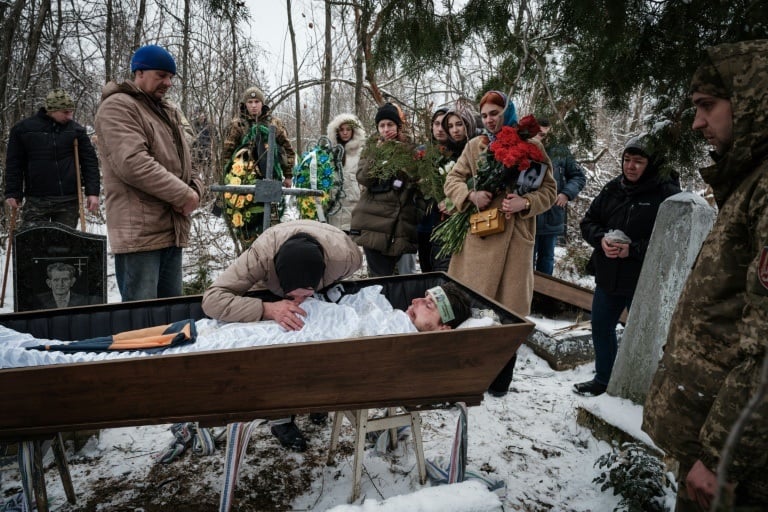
(56, 266)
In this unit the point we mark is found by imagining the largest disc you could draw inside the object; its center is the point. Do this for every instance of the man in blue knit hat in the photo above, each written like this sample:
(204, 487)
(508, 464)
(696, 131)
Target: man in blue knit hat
(150, 189)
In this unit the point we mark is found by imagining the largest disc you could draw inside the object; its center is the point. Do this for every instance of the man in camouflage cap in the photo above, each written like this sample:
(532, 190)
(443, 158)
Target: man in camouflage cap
(40, 164)
(716, 348)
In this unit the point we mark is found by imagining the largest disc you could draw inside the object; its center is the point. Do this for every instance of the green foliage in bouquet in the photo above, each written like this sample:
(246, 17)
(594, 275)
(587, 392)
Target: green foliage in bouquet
(425, 165)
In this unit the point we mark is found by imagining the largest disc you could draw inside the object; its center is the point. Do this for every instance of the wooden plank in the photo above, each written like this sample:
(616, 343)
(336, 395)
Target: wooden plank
(564, 291)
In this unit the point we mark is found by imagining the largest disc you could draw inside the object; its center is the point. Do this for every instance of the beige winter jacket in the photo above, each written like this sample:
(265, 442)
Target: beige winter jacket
(499, 266)
(147, 170)
(255, 269)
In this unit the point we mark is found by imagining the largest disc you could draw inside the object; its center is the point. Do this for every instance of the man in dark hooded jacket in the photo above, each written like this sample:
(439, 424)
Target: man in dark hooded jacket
(551, 224)
(40, 164)
(716, 346)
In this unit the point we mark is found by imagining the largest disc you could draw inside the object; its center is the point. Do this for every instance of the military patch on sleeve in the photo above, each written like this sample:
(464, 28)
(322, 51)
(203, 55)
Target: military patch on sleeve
(762, 268)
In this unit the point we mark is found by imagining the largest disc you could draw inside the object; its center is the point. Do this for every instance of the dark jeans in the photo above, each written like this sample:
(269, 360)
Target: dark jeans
(502, 381)
(606, 311)
(149, 274)
(544, 253)
(380, 264)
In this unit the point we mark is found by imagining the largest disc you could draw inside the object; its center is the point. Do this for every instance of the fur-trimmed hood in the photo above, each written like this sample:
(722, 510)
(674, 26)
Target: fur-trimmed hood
(358, 135)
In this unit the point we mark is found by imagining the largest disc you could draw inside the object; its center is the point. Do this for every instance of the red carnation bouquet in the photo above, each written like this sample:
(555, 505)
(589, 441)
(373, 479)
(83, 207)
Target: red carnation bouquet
(500, 169)
(512, 150)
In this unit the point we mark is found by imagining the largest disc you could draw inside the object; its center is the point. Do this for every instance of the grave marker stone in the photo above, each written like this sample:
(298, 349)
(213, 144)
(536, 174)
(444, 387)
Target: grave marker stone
(51, 259)
(682, 224)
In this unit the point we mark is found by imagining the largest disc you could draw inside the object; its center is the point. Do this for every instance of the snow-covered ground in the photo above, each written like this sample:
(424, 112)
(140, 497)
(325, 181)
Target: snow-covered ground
(528, 439)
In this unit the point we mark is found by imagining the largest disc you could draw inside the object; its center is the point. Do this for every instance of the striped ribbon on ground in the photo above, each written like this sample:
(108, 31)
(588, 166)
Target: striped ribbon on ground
(455, 470)
(238, 435)
(458, 463)
(26, 462)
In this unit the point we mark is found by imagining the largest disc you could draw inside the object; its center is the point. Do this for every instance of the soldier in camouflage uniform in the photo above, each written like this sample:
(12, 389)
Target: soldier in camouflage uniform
(717, 339)
(252, 111)
(249, 132)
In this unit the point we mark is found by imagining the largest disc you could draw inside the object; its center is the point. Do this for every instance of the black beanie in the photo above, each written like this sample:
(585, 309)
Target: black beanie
(389, 111)
(299, 263)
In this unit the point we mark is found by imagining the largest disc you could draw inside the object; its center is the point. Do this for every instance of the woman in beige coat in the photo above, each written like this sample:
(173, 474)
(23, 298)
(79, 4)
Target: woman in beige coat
(499, 266)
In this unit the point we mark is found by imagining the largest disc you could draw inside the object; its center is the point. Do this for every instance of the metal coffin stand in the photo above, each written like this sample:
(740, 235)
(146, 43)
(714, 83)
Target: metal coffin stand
(222, 387)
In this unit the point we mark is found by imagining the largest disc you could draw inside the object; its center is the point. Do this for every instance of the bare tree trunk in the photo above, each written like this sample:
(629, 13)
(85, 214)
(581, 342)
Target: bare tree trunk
(325, 115)
(8, 26)
(233, 73)
(33, 46)
(297, 93)
(360, 19)
(108, 46)
(55, 80)
(370, 69)
(185, 58)
(637, 114)
(138, 27)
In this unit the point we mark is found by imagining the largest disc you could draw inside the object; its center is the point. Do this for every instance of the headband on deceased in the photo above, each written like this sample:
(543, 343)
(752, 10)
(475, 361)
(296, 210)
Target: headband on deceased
(438, 295)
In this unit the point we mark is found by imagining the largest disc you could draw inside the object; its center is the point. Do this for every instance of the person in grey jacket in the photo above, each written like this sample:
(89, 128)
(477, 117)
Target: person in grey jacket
(292, 260)
(570, 179)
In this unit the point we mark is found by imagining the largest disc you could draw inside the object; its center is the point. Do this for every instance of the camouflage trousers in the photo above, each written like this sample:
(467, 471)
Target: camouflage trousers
(44, 209)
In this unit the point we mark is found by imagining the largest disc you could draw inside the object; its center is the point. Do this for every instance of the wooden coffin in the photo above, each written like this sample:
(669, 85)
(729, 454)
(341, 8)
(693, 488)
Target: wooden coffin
(217, 387)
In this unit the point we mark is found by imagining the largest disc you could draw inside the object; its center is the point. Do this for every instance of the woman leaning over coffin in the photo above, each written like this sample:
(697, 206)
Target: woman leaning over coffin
(499, 266)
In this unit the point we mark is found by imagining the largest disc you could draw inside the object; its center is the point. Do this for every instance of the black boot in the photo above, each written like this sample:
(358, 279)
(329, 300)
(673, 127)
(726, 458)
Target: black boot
(290, 436)
(500, 384)
(590, 388)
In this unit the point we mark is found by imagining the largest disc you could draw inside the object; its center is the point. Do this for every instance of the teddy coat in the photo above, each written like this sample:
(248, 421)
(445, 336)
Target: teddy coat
(341, 216)
(147, 170)
(498, 266)
(255, 268)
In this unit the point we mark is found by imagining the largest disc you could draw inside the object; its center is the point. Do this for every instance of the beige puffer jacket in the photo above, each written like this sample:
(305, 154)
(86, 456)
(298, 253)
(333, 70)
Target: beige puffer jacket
(255, 269)
(147, 169)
